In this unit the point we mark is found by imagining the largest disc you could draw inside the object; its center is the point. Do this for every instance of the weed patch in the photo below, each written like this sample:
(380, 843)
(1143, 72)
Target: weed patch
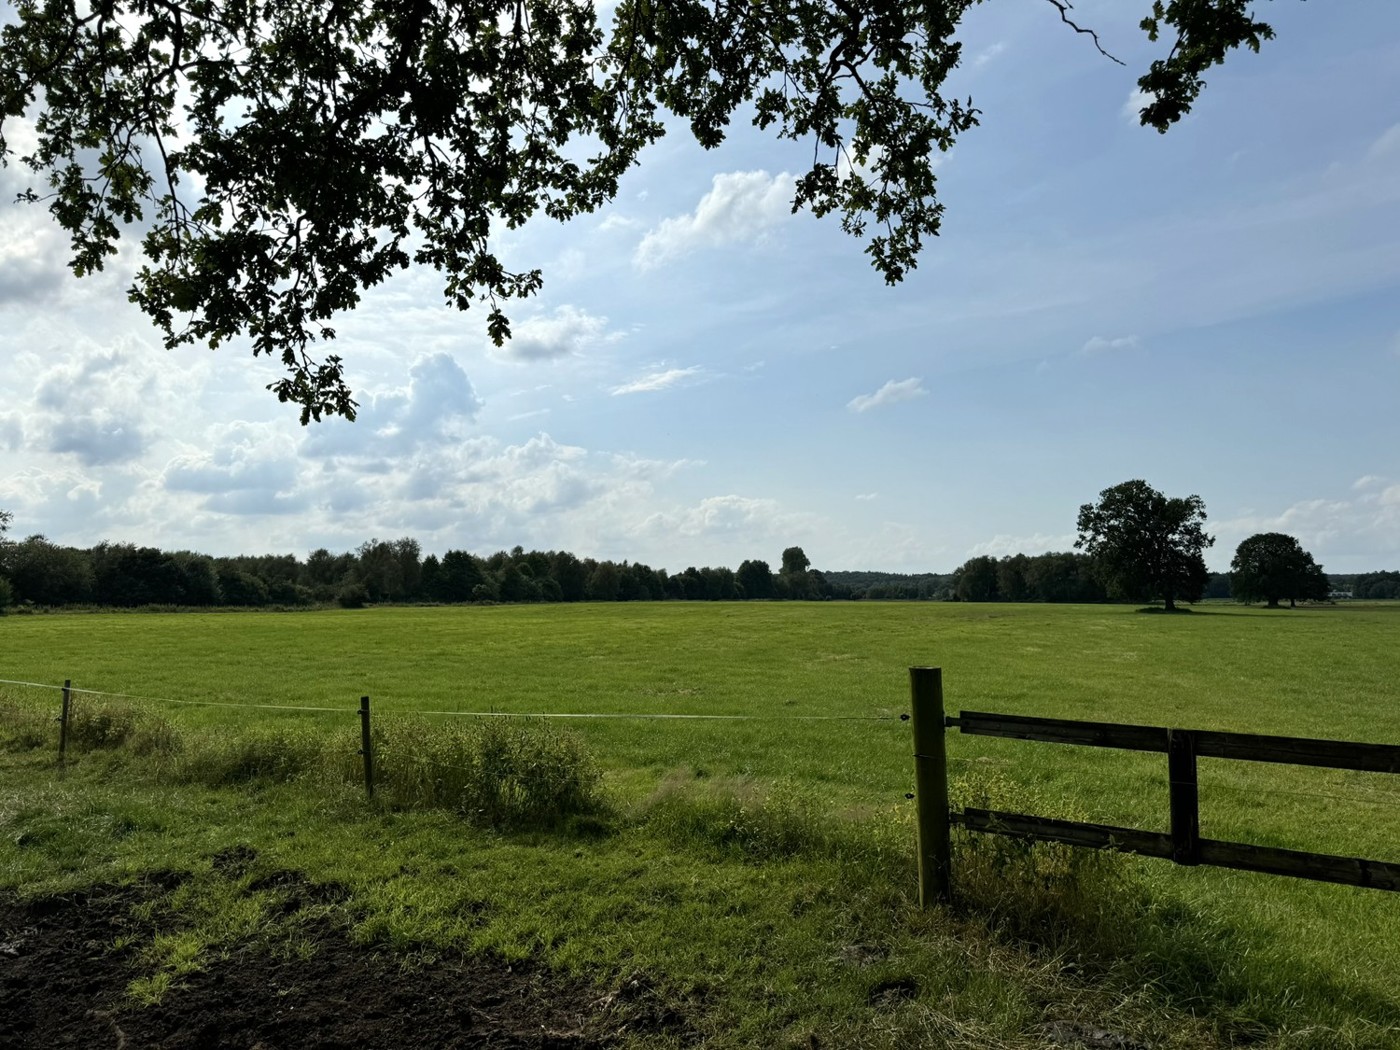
(499, 773)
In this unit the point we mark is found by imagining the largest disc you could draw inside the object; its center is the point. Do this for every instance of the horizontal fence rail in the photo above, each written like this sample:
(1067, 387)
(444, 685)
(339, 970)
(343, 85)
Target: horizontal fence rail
(1182, 843)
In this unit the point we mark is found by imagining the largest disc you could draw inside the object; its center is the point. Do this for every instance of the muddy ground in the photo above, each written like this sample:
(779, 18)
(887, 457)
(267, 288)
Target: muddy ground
(66, 963)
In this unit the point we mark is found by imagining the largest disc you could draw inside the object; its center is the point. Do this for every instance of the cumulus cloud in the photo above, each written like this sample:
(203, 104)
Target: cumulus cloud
(717, 514)
(1366, 482)
(655, 381)
(866, 496)
(1102, 345)
(567, 331)
(95, 406)
(891, 393)
(1334, 528)
(740, 207)
(1036, 543)
(438, 407)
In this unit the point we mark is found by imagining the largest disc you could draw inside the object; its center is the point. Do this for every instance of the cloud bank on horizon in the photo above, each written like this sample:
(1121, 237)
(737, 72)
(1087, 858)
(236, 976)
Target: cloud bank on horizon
(708, 377)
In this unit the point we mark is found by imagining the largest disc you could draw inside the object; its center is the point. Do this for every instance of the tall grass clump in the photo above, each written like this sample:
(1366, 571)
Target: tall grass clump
(501, 773)
(276, 754)
(741, 819)
(23, 728)
(1046, 894)
(109, 725)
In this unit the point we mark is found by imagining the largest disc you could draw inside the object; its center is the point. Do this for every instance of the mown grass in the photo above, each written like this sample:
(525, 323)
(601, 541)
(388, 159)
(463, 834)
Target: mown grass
(761, 870)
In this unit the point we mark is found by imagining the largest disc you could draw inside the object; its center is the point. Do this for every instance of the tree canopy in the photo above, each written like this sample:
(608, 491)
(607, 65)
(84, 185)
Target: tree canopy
(1146, 545)
(1270, 566)
(279, 159)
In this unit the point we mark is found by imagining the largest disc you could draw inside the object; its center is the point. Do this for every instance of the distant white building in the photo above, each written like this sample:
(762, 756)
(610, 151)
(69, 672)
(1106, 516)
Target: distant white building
(1334, 595)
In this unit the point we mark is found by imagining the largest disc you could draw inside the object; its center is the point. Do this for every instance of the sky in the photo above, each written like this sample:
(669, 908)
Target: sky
(707, 378)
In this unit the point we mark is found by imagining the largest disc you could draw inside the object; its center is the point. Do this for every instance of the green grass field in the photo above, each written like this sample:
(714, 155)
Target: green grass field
(741, 860)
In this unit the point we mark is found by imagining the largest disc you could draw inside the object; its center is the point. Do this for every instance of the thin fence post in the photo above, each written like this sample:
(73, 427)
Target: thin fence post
(931, 784)
(366, 748)
(63, 720)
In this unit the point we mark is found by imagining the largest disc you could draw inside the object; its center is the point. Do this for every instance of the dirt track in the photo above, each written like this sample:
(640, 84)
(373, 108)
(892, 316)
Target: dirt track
(62, 984)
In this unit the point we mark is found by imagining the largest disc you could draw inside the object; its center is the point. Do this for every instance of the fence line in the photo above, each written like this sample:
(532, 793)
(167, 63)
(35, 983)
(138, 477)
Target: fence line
(1182, 844)
(640, 715)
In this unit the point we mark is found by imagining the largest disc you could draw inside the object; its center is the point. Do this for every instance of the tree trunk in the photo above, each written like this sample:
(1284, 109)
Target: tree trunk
(1273, 603)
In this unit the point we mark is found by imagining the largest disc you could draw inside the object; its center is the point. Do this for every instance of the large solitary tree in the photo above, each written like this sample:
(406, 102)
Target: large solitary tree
(1270, 566)
(277, 159)
(1146, 545)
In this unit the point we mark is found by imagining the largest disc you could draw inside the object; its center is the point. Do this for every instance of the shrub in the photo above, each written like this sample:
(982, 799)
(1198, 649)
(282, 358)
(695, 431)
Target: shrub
(353, 596)
(497, 772)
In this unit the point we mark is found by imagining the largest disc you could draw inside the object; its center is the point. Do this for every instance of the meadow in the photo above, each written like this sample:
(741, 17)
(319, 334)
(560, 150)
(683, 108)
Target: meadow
(760, 869)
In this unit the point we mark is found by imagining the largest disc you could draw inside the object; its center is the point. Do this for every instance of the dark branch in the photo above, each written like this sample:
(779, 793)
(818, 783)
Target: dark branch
(1064, 7)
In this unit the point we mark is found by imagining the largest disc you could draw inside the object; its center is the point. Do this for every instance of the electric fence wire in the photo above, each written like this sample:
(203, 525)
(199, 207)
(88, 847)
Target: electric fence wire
(651, 716)
(642, 715)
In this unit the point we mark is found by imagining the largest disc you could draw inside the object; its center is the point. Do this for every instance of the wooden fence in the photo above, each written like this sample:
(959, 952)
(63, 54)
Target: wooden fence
(1182, 843)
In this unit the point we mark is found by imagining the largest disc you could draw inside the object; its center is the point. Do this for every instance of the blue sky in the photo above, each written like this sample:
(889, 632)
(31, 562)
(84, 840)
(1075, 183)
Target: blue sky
(707, 378)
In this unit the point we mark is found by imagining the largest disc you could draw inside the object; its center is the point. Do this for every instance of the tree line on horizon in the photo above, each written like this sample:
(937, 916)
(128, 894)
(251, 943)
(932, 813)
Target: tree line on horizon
(38, 572)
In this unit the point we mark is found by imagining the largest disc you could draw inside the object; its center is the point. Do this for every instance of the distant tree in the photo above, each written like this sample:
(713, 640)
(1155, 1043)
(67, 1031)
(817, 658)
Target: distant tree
(795, 561)
(1146, 545)
(572, 576)
(7, 594)
(128, 576)
(756, 579)
(1270, 566)
(47, 574)
(604, 583)
(201, 578)
(1011, 578)
(976, 580)
(458, 577)
(243, 588)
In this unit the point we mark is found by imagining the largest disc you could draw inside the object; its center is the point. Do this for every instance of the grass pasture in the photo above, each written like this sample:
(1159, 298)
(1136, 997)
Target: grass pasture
(759, 871)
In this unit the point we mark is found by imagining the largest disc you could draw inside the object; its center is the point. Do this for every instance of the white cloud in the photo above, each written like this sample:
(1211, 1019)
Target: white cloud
(1036, 543)
(437, 408)
(891, 393)
(1101, 345)
(740, 207)
(987, 54)
(866, 496)
(1366, 482)
(1332, 529)
(656, 381)
(567, 332)
(1386, 143)
(614, 221)
(1132, 108)
(101, 405)
(717, 516)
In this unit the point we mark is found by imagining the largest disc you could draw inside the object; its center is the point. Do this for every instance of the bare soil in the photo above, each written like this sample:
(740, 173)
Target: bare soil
(66, 963)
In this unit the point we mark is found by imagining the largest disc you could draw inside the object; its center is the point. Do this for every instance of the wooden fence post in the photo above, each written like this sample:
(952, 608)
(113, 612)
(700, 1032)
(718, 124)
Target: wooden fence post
(63, 720)
(1185, 808)
(366, 748)
(931, 784)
